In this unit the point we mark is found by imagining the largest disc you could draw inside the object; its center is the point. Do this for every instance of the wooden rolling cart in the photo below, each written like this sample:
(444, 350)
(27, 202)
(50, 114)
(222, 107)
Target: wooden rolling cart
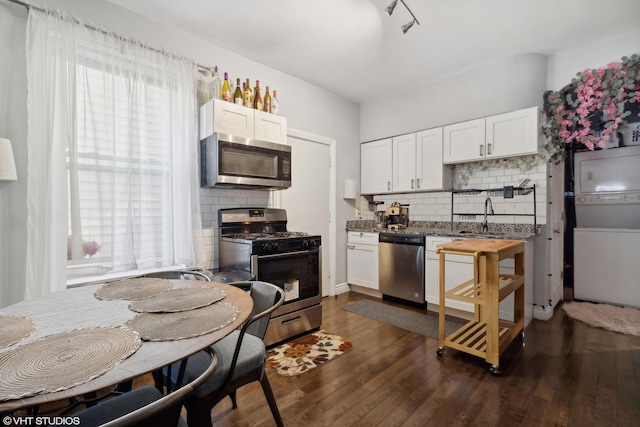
(486, 335)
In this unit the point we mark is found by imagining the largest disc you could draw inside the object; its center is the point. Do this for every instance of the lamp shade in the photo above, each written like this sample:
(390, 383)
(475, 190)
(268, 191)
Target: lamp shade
(7, 163)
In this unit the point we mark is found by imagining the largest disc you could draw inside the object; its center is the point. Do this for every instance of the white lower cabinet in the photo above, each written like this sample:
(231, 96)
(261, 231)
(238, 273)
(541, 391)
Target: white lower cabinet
(362, 259)
(459, 268)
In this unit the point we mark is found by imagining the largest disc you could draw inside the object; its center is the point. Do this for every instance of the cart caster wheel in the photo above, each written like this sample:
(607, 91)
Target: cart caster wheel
(440, 351)
(495, 370)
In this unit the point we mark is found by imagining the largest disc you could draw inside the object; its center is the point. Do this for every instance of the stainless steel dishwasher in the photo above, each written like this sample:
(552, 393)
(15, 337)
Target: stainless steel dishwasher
(401, 266)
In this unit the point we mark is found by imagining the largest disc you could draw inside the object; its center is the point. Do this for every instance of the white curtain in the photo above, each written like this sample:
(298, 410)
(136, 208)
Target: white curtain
(113, 155)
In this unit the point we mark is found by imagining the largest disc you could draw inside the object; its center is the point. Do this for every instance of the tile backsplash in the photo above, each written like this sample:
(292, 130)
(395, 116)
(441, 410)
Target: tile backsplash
(436, 206)
(213, 199)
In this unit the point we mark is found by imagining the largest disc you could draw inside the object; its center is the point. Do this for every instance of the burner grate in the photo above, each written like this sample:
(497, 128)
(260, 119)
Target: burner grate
(266, 236)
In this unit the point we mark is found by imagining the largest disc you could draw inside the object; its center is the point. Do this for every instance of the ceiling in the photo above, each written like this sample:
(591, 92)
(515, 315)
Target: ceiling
(351, 47)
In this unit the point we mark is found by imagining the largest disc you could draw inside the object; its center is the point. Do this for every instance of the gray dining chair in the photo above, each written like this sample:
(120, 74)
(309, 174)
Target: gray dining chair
(242, 356)
(146, 406)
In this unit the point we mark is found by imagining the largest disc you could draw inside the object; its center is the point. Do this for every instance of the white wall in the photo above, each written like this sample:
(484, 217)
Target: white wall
(13, 125)
(563, 66)
(307, 108)
(509, 84)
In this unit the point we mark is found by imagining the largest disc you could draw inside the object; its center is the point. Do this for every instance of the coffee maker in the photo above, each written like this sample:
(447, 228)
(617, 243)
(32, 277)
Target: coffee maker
(380, 219)
(397, 216)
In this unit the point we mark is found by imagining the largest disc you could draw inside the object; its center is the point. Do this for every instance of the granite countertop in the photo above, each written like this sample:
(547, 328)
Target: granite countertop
(461, 229)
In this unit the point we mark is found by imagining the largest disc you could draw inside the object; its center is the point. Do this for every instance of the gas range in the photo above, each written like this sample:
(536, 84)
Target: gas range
(256, 240)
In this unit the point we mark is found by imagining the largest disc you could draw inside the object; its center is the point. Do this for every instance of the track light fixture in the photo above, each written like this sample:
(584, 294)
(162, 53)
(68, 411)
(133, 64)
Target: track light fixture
(405, 27)
(390, 8)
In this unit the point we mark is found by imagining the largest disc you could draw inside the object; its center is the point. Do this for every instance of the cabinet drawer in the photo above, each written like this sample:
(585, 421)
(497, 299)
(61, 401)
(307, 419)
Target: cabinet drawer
(361, 237)
(432, 244)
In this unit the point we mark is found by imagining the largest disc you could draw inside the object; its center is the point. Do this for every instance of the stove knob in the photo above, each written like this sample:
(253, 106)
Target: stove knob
(275, 246)
(266, 247)
(305, 244)
(314, 243)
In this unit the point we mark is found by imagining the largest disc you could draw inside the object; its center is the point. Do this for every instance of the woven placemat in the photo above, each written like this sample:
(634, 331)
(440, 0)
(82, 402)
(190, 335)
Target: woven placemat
(133, 289)
(181, 299)
(183, 324)
(61, 361)
(14, 329)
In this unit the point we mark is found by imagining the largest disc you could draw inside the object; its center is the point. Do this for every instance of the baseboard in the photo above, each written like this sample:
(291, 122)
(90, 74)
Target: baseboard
(543, 313)
(557, 295)
(342, 288)
(366, 291)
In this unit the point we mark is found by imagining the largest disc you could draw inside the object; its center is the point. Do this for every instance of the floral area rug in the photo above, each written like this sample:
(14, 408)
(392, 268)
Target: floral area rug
(306, 353)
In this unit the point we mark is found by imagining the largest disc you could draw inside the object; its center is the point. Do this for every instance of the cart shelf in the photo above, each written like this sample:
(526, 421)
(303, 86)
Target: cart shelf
(472, 338)
(471, 292)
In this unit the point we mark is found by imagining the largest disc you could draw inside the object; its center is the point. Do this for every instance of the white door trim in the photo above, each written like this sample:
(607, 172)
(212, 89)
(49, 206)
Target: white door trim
(318, 139)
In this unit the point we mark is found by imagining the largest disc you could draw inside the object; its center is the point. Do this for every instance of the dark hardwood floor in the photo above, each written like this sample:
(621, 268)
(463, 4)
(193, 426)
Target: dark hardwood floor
(566, 374)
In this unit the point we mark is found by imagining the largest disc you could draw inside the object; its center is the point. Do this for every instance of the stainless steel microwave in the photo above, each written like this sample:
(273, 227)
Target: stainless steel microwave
(232, 161)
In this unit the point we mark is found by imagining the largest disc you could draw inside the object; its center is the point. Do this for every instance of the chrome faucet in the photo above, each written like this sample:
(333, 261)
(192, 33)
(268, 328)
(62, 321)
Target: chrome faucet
(487, 205)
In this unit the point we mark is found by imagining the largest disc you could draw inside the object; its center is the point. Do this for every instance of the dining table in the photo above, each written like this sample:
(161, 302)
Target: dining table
(79, 308)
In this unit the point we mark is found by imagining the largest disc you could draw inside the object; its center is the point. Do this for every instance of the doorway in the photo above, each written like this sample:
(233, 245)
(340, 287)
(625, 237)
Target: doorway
(310, 201)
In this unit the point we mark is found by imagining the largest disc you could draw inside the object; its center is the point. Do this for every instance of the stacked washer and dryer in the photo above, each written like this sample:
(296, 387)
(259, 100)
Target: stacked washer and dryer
(607, 233)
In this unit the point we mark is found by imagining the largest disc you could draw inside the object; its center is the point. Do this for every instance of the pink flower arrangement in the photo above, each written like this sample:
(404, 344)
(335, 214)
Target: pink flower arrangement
(600, 96)
(90, 247)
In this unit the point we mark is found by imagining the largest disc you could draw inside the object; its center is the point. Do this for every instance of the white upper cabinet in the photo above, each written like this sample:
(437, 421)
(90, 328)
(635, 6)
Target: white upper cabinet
(417, 162)
(513, 134)
(404, 163)
(375, 167)
(237, 120)
(431, 173)
(464, 141)
(269, 127)
(510, 134)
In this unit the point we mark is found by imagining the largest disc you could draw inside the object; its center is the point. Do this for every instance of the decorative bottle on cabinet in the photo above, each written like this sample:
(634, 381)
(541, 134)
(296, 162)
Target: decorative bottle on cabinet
(238, 96)
(215, 86)
(248, 95)
(226, 89)
(267, 100)
(274, 103)
(257, 98)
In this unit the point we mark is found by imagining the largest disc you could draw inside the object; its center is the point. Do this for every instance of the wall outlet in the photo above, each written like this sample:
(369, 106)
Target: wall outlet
(467, 217)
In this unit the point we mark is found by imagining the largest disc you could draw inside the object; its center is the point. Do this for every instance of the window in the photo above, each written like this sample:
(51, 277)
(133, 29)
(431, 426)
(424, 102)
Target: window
(124, 116)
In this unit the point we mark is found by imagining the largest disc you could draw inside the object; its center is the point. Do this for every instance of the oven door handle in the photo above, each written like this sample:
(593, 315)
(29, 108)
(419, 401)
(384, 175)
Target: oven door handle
(285, 254)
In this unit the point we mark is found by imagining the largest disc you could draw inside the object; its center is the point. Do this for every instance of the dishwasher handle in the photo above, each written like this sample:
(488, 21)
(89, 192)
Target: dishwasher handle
(404, 239)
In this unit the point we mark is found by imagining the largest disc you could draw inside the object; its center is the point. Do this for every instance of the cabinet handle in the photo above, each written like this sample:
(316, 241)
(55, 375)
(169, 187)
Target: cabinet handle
(388, 185)
(418, 182)
(488, 148)
(351, 246)
(482, 149)
(412, 184)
